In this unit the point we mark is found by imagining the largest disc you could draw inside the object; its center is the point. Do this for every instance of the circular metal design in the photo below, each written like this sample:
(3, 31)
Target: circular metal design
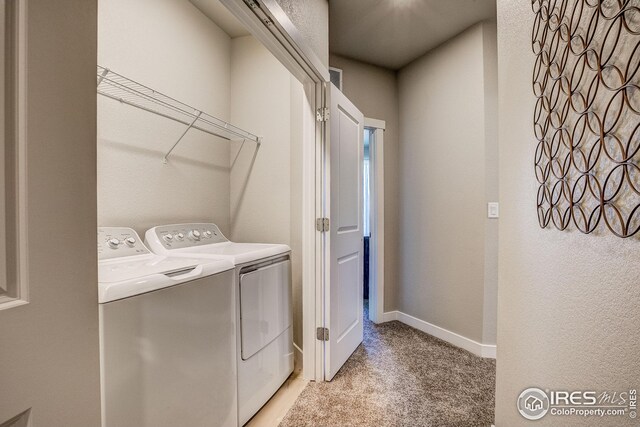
(587, 114)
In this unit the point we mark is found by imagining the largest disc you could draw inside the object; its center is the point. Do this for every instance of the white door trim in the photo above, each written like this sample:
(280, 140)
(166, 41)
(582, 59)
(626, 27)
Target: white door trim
(374, 123)
(376, 244)
(268, 23)
(315, 248)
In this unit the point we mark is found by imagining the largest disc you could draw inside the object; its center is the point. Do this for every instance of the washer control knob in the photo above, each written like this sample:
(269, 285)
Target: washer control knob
(208, 234)
(113, 243)
(130, 241)
(168, 237)
(195, 234)
(180, 236)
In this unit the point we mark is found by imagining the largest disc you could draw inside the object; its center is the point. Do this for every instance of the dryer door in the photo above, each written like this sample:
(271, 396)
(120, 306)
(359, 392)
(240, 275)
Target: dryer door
(265, 306)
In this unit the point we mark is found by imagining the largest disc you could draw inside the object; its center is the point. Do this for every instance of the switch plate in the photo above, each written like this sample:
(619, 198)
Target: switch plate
(493, 210)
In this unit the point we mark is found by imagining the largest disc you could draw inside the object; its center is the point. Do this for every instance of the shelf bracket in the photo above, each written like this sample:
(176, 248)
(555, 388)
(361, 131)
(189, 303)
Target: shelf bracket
(102, 76)
(195, 119)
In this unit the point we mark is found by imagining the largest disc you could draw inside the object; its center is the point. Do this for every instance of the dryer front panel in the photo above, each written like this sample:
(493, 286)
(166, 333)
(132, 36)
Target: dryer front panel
(265, 306)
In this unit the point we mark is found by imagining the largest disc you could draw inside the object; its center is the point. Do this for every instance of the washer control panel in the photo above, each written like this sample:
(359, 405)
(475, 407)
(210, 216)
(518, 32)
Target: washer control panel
(188, 235)
(115, 242)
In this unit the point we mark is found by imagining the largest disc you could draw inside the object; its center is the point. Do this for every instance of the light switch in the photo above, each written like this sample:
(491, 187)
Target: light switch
(493, 210)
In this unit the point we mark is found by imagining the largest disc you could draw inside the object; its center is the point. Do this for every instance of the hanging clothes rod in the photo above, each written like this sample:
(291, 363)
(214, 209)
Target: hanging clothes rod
(122, 89)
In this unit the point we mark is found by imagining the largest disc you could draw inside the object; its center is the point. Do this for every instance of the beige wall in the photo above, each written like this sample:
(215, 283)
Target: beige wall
(265, 182)
(260, 175)
(374, 91)
(568, 303)
(311, 17)
(171, 47)
(491, 185)
(443, 187)
(298, 102)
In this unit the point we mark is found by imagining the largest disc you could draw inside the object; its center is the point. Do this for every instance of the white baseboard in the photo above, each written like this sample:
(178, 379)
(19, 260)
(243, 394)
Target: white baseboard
(482, 350)
(388, 316)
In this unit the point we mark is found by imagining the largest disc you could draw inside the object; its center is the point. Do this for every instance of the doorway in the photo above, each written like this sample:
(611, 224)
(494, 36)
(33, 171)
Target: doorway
(366, 215)
(373, 219)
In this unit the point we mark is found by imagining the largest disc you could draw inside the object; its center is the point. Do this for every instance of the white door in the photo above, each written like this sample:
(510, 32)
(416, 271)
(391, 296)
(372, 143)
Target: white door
(49, 351)
(344, 301)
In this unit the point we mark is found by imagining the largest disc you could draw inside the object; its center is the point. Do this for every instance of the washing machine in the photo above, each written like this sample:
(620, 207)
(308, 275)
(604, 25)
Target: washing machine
(263, 303)
(167, 336)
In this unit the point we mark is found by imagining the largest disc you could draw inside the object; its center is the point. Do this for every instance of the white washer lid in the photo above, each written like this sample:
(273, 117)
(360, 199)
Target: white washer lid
(239, 253)
(129, 276)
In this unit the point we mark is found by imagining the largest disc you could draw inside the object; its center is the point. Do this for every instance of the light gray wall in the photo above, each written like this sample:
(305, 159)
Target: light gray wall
(311, 17)
(443, 186)
(171, 47)
(567, 302)
(266, 195)
(374, 91)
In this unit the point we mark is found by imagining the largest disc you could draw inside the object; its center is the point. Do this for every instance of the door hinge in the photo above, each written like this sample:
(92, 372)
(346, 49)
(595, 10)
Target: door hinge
(322, 334)
(322, 114)
(322, 224)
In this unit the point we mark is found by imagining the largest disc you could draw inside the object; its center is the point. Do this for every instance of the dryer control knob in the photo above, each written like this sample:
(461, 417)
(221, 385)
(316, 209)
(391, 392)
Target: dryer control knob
(180, 236)
(130, 241)
(113, 243)
(195, 234)
(207, 234)
(168, 237)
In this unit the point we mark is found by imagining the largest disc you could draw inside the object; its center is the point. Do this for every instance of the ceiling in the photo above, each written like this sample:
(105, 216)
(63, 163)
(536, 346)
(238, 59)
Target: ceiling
(392, 33)
(221, 16)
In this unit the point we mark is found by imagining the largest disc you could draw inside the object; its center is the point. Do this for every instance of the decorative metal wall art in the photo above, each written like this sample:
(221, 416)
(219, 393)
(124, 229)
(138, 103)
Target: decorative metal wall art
(587, 114)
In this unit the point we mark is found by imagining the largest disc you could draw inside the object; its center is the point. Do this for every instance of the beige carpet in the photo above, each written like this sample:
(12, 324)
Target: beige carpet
(400, 376)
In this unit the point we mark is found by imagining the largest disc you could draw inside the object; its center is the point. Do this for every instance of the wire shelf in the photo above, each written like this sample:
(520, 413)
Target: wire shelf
(122, 89)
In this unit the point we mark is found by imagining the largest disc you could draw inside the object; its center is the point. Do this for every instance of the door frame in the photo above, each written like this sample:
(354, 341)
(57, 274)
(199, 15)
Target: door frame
(376, 220)
(268, 23)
